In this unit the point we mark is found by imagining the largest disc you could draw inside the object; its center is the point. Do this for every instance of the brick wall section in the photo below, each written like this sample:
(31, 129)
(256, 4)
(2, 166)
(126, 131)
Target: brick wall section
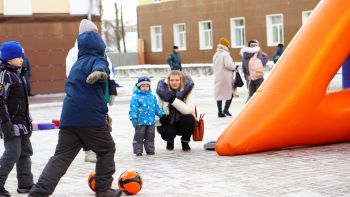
(46, 40)
(219, 12)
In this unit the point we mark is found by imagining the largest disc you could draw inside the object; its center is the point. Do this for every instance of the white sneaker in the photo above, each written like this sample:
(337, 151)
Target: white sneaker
(90, 156)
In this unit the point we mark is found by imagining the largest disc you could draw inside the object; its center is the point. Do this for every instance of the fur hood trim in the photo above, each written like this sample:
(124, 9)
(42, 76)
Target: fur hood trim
(222, 47)
(249, 50)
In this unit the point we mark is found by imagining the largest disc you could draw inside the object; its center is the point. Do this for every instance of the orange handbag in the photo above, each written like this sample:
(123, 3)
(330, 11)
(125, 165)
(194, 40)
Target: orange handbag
(198, 132)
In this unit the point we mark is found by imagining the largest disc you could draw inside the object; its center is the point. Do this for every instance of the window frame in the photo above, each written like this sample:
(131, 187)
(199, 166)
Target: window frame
(304, 16)
(177, 35)
(233, 35)
(202, 35)
(269, 30)
(154, 37)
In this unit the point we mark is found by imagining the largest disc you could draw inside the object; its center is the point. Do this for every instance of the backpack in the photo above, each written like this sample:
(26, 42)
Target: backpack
(256, 68)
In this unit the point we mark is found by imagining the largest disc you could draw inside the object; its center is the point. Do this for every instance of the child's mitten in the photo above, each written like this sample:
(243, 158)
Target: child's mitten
(164, 119)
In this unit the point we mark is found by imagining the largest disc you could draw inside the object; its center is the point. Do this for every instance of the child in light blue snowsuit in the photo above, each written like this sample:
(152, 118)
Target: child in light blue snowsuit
(143, 109)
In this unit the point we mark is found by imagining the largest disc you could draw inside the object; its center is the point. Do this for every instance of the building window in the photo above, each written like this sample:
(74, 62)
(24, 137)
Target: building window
(156, 38)
(17, 7)
(237, 32)
(180, 36)
(305, 15)
(274, 24)
(205, 35)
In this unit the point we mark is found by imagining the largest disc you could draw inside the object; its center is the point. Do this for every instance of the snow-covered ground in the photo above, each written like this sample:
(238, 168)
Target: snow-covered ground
(312, 171)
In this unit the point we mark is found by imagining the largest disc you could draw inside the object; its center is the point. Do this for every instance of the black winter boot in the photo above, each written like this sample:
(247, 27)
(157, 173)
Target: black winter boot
(24, 190)
(185, 146)
(109, 193)
(4, 192)
(227, 106)
(170, 145)
(220, 114)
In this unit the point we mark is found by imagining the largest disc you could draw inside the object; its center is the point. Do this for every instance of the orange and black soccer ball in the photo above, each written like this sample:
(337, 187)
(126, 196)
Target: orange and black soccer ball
(130, 182)
(91, 180)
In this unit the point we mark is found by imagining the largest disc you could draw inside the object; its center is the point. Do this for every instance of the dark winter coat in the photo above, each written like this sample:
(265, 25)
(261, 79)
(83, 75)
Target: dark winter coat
(277, 54)
(84, 104)
(174, 61)
(14, 105)
(183, 104)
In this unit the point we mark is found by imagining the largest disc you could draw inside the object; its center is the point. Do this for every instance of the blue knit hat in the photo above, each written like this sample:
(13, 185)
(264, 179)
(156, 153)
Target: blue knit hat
(143, 80)
(11, 50)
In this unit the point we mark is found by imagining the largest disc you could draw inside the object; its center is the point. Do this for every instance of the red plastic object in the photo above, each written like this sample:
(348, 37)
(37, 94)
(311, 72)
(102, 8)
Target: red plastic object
(56, 122)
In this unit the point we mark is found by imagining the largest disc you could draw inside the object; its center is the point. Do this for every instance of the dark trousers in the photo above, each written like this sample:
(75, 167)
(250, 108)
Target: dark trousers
(17, 151)
(144, 135)
(184, 127)
(253, 86)
(70, 141)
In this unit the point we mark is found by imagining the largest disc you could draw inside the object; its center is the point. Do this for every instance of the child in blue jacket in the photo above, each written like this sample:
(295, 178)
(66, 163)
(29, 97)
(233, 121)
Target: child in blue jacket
(143, 109)
(83, 121)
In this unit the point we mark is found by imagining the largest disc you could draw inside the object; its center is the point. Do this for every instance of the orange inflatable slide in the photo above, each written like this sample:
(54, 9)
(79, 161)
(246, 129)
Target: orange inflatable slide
(293, 107)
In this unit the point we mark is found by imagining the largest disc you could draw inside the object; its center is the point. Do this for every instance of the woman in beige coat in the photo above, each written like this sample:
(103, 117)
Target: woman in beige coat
(223, 79)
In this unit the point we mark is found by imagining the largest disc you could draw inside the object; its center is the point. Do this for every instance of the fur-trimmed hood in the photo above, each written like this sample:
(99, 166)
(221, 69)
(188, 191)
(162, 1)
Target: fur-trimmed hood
(221, 47)
(249, 50)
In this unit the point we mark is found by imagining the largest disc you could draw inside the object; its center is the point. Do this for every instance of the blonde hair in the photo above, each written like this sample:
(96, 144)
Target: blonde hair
(182, 78)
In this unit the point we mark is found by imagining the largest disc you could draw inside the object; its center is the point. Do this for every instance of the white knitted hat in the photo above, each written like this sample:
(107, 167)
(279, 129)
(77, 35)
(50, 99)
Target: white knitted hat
(86, 25)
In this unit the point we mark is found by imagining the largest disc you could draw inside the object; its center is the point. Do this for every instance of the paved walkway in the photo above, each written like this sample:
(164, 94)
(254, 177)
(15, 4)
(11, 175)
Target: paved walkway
(308, 171)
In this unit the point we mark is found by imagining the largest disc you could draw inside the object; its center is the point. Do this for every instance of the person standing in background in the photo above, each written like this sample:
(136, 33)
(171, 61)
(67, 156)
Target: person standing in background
(247, 52)
(174, 59)
(223, 67)
(278, 53)
(253, 59)
(27, 74)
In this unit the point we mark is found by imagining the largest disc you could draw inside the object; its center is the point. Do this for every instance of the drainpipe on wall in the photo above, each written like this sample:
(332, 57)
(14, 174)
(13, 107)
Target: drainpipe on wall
(90, 10)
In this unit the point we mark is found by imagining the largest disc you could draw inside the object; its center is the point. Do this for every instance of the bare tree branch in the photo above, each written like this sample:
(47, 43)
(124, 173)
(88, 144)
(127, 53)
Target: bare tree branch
(122, 22)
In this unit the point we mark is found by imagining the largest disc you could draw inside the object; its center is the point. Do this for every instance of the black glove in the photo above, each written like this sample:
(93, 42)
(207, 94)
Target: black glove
(164, 120)
(112, 87)
(172, 96)
(7, 128)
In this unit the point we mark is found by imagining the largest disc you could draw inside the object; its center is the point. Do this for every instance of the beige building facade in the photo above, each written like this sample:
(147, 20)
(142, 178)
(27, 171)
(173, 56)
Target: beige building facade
(46, 30)
(197, 26)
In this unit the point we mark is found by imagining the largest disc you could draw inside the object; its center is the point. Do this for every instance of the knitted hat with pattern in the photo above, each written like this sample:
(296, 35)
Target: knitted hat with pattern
(143, 80)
